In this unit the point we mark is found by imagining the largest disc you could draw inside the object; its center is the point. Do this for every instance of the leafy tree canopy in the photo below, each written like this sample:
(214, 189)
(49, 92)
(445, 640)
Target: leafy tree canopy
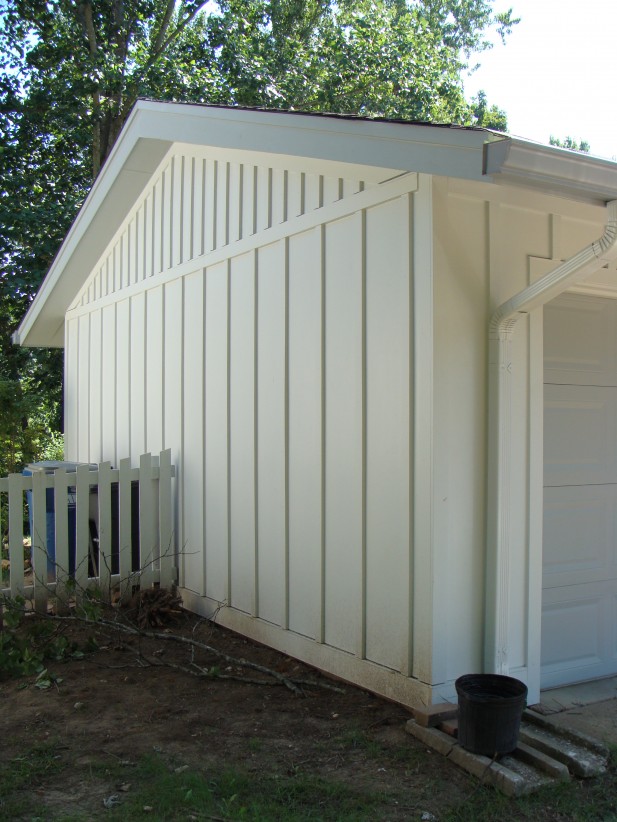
(70, 71)
(573, 145)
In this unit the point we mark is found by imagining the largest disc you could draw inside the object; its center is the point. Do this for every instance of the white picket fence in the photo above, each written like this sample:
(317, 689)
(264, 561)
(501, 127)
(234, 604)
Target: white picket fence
(95, 527)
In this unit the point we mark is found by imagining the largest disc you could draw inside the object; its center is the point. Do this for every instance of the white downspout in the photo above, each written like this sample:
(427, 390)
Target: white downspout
(503, 321)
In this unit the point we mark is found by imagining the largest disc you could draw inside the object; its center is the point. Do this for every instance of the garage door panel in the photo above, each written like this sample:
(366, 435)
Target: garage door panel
(580, 341)
(572, 628)
(580, 534)
(579, 616)
(580, 437)
(578, 639)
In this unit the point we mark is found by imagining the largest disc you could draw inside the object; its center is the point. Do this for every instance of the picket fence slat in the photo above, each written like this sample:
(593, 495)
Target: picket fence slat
(61, 491)
(146, 526)
(124, 501)
(39, 540)
(98, 537)
(61, 496)
(165, 521)
(105, 535)
(82, 527)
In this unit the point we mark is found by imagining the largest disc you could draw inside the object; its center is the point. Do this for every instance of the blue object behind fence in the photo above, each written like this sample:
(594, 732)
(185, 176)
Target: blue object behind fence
(50, 467)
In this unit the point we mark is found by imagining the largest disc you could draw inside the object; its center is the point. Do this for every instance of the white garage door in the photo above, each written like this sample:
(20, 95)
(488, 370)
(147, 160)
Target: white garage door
(579, 608)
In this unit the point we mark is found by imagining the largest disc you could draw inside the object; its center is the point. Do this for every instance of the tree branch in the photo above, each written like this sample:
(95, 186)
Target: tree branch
(160, 35)
(88, 24)
(162, 43)
(292, 684)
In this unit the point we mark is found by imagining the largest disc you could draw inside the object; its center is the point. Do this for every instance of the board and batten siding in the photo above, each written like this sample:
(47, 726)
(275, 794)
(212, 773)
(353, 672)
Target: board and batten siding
(199, 202)
(278, 370)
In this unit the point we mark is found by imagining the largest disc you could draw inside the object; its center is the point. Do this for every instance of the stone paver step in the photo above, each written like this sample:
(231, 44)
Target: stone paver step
(546, 753)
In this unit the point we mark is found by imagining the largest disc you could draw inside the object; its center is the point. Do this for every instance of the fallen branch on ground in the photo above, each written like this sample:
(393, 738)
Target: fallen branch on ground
(295, 686)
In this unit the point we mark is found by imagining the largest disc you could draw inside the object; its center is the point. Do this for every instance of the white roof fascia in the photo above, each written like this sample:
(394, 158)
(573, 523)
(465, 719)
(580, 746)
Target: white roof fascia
(564, 173)
(449, 151)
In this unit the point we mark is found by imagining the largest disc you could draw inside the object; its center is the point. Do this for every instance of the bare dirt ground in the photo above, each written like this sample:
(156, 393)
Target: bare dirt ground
(125, 702)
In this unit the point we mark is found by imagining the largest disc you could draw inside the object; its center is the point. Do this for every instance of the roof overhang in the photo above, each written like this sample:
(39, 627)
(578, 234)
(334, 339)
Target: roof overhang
(152, 129)
(558, 171)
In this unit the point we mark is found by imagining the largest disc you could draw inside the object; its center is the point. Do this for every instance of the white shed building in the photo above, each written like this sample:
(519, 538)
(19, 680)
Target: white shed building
(384, 356)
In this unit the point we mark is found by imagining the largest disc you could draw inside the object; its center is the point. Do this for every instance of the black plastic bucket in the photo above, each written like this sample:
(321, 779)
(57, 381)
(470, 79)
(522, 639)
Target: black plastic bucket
(490, 708)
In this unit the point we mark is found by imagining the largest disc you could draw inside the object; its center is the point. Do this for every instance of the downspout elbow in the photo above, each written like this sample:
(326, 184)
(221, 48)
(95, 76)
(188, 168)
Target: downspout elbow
(606, 246)
(563, 276)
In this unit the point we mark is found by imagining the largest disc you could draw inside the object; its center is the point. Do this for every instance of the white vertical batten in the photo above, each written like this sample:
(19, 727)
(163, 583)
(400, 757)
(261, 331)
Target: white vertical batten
(193, 429)
(137, 347)
(145, 211)
(125, 258)
(256, 449)
(130, 251)
(154, 369)
(176, 198)
(227, 204)
(501, 327)
(422, 449)
(234, 193)
(212, 204)
(304, 425)
(193, 220)
(387, 433)
(188, 205)
(123, 381)
(343, 340)
(320, 634)
(408, 651)
(135, 252)
(108, 382)
(216, 419)
(361, 218)
(285, 622)
(94, 387)
(242, 432)
(228, 427)
(179, 508)
(149, 235)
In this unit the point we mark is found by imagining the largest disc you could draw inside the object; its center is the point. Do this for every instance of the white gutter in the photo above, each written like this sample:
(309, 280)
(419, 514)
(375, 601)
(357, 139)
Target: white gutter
(501, 327)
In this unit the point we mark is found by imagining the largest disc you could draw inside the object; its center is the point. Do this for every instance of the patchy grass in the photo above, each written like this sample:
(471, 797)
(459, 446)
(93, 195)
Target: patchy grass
(23, 775)
(359, 740)
(157, 787)
(161, 787)
(154, 789)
